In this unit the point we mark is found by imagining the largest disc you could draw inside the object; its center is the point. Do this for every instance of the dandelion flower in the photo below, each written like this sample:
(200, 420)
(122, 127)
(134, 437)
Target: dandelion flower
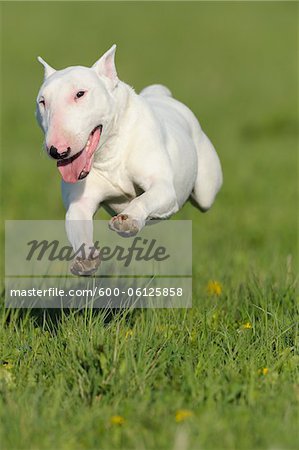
(117, 420)
(263, 371)
(247, 326)
(214, 288)
(129, 333)
(182, 414)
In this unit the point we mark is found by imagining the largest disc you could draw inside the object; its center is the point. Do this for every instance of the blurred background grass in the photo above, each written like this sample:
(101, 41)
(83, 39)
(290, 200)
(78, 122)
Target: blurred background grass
(233, 63)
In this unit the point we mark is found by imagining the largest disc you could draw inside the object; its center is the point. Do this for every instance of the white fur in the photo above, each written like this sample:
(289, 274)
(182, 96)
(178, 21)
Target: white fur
(152, 156)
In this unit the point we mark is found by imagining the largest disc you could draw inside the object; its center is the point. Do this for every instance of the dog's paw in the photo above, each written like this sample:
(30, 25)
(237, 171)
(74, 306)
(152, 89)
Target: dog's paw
(85, 267)
(124, 225)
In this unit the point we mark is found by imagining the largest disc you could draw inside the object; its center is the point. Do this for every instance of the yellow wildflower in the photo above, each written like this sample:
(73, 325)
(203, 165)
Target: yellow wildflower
(214, 288)
(129, 333)
(117, 420)
(263, 371)
(247, 326)
(183, 414)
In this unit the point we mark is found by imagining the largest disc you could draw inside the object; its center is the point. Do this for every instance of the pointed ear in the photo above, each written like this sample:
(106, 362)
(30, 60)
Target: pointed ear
(105, 66)
(48, 69)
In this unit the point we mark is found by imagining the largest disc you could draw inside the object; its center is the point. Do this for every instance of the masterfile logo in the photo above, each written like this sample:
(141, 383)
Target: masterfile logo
(152, 269)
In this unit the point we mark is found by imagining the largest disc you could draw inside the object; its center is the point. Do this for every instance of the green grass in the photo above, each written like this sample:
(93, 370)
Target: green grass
(64, 376)
(69, 376)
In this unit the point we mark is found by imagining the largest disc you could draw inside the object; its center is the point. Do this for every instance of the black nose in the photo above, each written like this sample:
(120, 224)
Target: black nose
(56, 155)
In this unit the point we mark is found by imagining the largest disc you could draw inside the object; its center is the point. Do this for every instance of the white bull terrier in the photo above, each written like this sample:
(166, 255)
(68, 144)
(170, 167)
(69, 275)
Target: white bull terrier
(140, 156)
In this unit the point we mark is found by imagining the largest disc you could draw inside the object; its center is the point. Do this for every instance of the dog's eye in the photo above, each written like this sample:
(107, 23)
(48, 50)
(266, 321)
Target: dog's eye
(80, 94)
(42, 101)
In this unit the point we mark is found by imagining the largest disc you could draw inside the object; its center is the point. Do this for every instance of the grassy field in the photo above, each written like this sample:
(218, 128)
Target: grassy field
(224, 374)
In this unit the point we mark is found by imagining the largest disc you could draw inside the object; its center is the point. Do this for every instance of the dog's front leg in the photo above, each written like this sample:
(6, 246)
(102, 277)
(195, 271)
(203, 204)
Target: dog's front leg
(159, 201)
(79, 228)
(81, 201)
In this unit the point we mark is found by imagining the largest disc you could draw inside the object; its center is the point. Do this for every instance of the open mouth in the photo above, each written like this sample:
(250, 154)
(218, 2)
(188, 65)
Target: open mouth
(78, 166)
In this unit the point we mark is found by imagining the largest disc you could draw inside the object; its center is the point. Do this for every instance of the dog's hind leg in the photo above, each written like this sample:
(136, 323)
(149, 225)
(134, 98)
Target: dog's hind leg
(209, 175)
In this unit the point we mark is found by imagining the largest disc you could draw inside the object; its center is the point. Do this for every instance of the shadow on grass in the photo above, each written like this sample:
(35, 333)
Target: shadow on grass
(50, 319)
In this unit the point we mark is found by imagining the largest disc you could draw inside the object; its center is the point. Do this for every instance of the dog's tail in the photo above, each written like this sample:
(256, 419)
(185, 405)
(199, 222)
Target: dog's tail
(155, 90)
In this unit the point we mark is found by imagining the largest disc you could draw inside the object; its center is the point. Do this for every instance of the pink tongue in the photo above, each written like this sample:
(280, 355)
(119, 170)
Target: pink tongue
(71, 171)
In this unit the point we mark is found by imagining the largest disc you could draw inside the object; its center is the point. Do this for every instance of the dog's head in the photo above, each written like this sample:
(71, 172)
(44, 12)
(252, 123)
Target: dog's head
(75, 106)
